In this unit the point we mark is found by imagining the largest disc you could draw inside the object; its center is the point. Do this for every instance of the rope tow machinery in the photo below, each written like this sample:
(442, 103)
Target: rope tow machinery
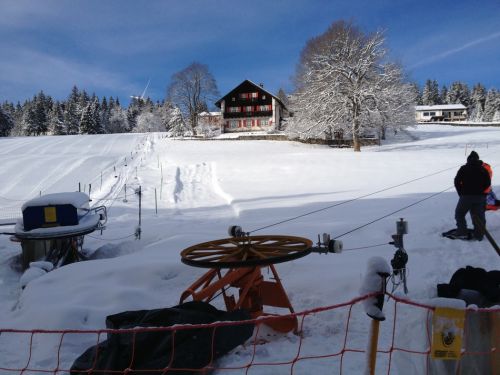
(237, 262)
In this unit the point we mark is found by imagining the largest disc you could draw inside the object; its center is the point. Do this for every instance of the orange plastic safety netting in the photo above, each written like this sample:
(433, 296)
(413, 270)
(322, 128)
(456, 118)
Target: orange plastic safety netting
(332, 340)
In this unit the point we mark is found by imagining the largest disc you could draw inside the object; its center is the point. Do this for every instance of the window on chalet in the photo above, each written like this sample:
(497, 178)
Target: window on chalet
(234, 124)
(234, 109)
(248, 123)
(265, 107)
(433, 113)
(233, 99)
(248, 95)
(248, 108)
(426, 113)
(263, 122)
(457, 113)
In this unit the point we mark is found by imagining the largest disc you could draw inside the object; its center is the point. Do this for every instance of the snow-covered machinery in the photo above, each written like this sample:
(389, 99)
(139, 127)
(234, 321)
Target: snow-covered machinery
(53, 226)
(237, 262)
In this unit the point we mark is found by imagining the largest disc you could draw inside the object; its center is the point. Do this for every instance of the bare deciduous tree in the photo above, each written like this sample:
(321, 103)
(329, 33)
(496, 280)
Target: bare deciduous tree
(343, 84)
(191, 89)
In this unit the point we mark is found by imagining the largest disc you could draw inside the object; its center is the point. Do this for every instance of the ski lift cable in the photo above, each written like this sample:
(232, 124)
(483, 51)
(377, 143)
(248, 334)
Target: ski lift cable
(351, 200)
(366, 247)
(357, 198)
(394, 212)
(12, 199)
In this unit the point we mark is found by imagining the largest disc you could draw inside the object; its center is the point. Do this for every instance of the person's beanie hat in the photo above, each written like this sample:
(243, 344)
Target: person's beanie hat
(473, 156)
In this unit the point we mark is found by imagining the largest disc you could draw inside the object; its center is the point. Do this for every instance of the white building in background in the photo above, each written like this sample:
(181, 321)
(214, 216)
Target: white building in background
(445, 112)
(213, 119)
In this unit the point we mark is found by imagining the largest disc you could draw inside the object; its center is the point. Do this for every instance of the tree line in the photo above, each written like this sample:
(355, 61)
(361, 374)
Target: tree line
(82, 113)
(482, 105)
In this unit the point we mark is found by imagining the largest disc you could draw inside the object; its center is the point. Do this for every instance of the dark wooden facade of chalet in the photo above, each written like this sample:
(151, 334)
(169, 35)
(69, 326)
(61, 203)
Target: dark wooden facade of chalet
(249, 107)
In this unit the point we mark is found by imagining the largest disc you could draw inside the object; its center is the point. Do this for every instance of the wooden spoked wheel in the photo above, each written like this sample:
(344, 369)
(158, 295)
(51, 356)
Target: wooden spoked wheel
(246, 251)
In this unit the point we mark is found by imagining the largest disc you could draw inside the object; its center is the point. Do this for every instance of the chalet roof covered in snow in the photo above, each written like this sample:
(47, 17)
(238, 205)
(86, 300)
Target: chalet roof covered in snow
(259, 87)
(445, 107)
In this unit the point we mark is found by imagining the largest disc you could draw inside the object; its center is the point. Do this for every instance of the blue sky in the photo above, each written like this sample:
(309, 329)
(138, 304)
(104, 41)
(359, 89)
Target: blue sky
(114, 47)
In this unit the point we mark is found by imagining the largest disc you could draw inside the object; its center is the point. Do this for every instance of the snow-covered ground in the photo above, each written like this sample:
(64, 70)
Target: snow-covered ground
(205, 186)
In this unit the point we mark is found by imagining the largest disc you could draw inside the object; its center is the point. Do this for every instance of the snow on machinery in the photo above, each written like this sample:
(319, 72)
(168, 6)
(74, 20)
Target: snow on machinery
(53, 227)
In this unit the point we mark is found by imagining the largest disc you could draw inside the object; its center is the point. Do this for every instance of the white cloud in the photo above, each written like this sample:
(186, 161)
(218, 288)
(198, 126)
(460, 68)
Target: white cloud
(452, 51)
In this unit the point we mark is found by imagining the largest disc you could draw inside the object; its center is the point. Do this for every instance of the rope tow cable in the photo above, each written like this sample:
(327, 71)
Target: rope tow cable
(352, 200)
(393, 212)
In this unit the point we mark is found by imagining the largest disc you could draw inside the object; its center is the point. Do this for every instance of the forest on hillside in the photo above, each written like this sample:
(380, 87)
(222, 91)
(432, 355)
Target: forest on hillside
(82, 113)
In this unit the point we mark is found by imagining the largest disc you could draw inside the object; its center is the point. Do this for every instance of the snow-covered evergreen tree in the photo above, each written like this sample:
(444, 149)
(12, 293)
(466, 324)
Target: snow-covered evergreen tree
(478, 97)
(30, 125)
(443, 94)
(41, 109)
(90, 122)
(133, 110)
(86, 121)
(496, 116)
(458, 94)
(430, 93)
(56, 120)
(176, 125)
(104, 113)
(491, 105)
(74, 96)
(17, 117)
(83, 102)
(71, 118)
(6, 123)
(417, 93)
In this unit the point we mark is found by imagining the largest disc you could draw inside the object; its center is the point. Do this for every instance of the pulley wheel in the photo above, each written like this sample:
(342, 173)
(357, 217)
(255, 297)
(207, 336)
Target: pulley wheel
(246, 251)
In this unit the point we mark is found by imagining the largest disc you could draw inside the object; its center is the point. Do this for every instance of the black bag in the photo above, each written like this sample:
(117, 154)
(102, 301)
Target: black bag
(154, 350)
(472, 278)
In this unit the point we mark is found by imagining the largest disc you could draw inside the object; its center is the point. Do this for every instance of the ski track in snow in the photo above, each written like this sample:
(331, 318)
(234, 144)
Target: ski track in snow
(196, 186)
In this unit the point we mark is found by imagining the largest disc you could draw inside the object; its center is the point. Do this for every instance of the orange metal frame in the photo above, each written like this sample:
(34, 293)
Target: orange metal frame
(254, 293)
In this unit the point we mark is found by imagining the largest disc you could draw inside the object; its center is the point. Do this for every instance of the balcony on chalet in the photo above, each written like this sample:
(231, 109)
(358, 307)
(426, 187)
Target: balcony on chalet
(248, 114)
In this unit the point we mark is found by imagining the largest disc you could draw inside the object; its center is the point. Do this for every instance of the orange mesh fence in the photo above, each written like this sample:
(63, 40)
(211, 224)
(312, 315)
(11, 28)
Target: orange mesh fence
(332, 340)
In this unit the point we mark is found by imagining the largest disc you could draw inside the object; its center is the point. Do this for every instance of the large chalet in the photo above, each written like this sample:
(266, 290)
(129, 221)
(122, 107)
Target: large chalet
(249, 107)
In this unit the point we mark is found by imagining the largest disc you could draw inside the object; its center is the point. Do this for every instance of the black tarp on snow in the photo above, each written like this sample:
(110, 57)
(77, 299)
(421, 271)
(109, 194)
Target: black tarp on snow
(153, 350)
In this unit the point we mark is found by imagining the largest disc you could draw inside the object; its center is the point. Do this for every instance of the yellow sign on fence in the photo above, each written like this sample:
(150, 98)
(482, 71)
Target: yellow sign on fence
(447, 333)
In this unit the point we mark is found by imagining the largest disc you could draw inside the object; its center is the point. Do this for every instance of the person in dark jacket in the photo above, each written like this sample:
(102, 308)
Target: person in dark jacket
(471, 182)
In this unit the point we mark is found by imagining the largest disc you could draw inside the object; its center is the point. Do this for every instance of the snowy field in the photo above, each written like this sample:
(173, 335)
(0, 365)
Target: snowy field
(210, 185)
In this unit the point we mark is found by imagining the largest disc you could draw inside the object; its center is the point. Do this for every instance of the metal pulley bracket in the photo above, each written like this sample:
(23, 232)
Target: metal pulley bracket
(327, 245)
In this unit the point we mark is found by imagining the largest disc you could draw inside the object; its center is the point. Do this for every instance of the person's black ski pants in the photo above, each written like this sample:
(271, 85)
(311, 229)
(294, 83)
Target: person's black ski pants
(476, 205)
